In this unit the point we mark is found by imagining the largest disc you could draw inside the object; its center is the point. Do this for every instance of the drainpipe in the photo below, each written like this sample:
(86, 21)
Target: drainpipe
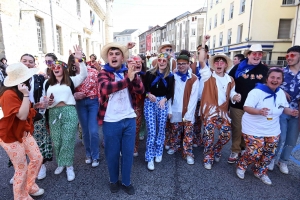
(52, 26)
(249, 21)
(296, 25)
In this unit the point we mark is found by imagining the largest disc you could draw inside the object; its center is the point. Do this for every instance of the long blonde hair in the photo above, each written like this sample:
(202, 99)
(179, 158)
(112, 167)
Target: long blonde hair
(166, 72)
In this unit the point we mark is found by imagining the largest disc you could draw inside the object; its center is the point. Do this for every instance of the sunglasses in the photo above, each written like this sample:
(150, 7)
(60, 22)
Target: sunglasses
(49, 62)
(162, 55)
(182, 64)
(169, 50)
(57, 65)
(162, 60)
(291, 55)
(260, 54)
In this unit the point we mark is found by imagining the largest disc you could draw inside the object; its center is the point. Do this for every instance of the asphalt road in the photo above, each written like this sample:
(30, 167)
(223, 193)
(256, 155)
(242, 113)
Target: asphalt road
(173, 178)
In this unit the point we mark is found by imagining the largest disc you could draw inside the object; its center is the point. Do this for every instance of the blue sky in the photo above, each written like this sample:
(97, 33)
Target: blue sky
(139, 14)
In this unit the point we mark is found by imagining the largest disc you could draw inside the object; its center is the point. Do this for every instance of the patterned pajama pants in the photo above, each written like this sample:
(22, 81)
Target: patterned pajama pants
(156, 121)
(260, 151)
(168, 131)
(212, 150)
(197, 127)
(25, 174)
(63, 123)
(188, 137)
(139, 118)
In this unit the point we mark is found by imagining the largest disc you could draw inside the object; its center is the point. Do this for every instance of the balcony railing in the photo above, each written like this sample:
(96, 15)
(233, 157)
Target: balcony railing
(288, 2)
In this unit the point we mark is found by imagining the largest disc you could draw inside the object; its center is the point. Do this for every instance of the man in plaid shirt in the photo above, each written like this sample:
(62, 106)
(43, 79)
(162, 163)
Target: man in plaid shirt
(118, 86)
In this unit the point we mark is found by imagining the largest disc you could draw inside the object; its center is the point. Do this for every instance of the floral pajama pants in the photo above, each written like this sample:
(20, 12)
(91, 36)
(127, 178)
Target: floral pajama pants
(139, 118)
(260, 151)
(168, 131)
(156, 122)
(212, 150)
(197, 127)
(63, 123)
(188, 136)
(25, 174)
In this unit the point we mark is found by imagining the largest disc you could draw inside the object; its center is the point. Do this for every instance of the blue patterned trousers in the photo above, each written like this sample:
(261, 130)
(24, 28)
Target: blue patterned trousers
(156, 121)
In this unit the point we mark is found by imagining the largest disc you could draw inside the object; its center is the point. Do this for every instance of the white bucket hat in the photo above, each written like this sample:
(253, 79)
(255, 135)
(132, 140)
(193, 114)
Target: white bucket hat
(254, 47)
(105, 49)
(18, 73)
(165, 44)
(221, 55)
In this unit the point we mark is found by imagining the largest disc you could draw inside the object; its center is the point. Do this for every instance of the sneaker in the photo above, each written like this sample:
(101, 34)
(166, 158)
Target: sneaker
(242, 152)
(11, 181)
(136, 154)
(271, 165)
(128, 189)
(207, 165)
(283, 167)
(233, 157)
(58, 170)
(158, 158)
(114, 187)
(217, 159)
(70, 173)
(38, 193)
(42, 172)
(167, 147)
(95, 163)
(170, 151)
(264, 178)
(195, 145)
(190, 160)
(141, 137)
(151, 165)
(88, 160)
(240, 173)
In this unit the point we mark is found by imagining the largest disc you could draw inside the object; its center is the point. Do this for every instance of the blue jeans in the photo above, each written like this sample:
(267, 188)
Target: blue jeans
(119, 137)
(87, 110)
(288, 137)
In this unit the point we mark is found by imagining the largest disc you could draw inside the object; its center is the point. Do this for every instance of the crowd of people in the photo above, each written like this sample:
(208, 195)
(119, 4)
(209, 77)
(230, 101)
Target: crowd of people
(182, 101)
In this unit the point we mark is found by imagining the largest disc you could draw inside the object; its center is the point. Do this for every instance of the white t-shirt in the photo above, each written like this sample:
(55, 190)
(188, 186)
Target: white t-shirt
(258, 125)
(119, 105)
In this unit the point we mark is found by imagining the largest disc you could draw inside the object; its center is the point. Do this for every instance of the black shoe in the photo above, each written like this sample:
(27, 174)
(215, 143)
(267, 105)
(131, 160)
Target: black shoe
(128, 189)
(114, 187)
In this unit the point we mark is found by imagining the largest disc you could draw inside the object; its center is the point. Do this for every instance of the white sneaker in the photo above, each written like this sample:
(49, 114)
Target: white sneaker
(11, 181)
(70, 173)
(142, 138)
(58, 170)
(217, 159)
(136, 154)
(95, 163)
(207, 165)
(167, 147)
(190, 160)
(271, 165)
(151, 165)
(233, 157)
(42, 172)
(158, 158)
(283, 167)
(264, 178)
(170, 151)
(242, 152)
(195, 145)
(38, 193)
(88, 160)
(240, 173)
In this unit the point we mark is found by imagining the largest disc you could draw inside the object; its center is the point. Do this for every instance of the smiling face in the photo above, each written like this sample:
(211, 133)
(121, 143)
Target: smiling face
(183, 66)
(166, 49)
(255, 57)
(57, 69)
(162, 63)
(220, 65)
(274, 80)
(292, 58)
(138, 63)
(28, 61)
(115, 58)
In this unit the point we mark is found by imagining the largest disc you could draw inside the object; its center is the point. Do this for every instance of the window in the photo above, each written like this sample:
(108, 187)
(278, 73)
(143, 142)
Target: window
(222, 16)
(231, 11)
(288, 2)
(192, 19)
(242, 9)
(229, 36)
(193, 46)
(59, 40)
(99, 22)
(193, 32)
(216, 20)
(40, 34)
(211, 4)
(217, 1)
(214, 42)
(78, 8)
(221, 39)
(79, 41)
(284, 30)
(240, 33)
(209, 25)
(58, 2)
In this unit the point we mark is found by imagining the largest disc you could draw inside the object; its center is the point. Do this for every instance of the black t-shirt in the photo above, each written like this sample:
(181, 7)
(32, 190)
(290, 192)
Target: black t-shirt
(244, 84)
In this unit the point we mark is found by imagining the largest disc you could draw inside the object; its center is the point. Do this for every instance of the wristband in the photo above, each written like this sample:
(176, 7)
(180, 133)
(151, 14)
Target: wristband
(79, 60)
(25, 96)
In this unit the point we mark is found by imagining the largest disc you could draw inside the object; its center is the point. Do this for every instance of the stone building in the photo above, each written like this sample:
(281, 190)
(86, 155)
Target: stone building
(129, 35)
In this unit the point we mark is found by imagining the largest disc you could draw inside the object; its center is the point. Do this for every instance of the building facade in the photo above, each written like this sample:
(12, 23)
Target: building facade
(40, 27)
(235, 25)
(145, 40)
(129, 35)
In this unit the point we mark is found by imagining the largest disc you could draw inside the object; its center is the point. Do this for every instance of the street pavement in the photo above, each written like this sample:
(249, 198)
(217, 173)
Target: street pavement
(173, 178)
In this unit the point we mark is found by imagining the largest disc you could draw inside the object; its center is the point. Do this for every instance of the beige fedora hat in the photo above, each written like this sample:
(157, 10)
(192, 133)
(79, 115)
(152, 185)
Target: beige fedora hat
(105, 49)
(165, 44)
(18, 73)
(254, 47)
(221, 55)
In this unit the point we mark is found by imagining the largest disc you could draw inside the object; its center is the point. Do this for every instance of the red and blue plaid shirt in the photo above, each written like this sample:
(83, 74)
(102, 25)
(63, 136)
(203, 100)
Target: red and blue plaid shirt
(107, 85)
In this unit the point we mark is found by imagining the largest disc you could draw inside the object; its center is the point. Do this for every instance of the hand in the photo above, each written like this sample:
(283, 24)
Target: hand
(79, 95)
(151, 97)
(51, 101)
(169, 116)
(77, 51)
(237, 98)
(24, 89)
(295, 113)
(131, 69)
(264, 111)
(288, 97)
(161, 103)
(39, 105)
(206, 38)
(130, 45)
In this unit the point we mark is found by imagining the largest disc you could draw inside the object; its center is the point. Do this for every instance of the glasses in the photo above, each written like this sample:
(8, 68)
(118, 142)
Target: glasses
(57, 65)
(260, 54)
(219, 61)
(162, 60)
(182, 64)
(49, 62)
(291, 55)
(169, 50)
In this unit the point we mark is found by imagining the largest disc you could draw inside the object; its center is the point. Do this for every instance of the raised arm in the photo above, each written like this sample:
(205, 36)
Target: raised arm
(202, 54)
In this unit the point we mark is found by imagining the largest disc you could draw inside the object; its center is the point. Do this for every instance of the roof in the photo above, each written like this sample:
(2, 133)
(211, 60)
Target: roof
(127, 31)
(179, 16)
(201, 10)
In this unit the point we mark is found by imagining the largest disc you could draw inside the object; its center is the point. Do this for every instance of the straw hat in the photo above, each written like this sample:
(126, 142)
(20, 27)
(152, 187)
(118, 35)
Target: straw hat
(105, 49)
(165, 44)
(254, 47)
(221, 55)
(18, 73)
